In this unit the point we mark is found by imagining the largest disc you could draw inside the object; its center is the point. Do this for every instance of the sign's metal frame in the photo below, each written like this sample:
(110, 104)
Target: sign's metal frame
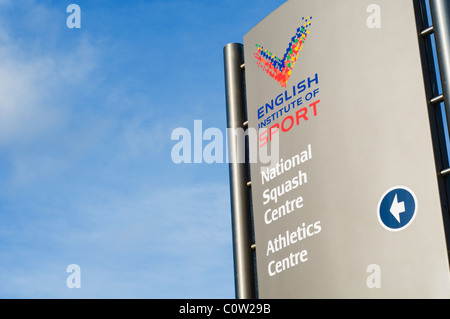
(242, 228)
(440, 12)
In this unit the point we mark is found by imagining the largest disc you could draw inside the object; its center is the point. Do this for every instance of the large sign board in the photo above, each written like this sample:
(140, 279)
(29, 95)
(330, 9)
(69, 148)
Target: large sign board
(351, 206)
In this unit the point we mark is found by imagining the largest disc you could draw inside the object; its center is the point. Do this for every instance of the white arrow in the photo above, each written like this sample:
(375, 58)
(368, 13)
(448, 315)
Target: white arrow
(397, 208)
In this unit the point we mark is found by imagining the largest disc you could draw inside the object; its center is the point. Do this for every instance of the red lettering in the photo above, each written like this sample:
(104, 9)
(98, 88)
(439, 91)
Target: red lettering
(298, 116)
(291, 118)
(314, 105)
(287, 123)
(277, 126)
(263, 139)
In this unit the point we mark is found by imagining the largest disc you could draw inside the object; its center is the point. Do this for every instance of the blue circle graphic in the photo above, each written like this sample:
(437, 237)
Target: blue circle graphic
(397, 208)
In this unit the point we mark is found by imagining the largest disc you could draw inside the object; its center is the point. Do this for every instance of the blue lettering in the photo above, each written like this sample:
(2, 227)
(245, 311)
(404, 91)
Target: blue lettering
(279, 100)
(260, 112)
(269, 106)
(316, 79)
(301, 86)
(286, 96)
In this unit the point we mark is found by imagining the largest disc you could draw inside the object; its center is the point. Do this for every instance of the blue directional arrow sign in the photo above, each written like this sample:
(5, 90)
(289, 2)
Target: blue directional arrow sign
(397, 208)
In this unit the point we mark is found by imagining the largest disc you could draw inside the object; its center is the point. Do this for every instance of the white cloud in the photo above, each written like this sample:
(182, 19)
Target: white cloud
(22, 104)
(172, 242)
(39, 85)
(35, 76)
(87, 181)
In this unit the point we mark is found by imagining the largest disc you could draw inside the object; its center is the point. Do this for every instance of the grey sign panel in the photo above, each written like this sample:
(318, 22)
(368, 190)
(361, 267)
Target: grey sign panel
(350, 208)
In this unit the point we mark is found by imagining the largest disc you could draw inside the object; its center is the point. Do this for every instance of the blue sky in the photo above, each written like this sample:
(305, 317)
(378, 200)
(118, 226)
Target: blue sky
(86, 175)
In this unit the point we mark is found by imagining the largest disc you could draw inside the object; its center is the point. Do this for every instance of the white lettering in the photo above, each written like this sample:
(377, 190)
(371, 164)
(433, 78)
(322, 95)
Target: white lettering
(73, 20)
(74, 279)
(270, 173)
(287, 208)
(288, 238)
(278, 191)
(374, 20)
(374, 279)
(275, 267)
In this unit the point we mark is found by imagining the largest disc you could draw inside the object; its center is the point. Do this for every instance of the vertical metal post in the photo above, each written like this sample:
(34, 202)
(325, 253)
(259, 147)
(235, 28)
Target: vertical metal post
(440, 14)
(240, 200)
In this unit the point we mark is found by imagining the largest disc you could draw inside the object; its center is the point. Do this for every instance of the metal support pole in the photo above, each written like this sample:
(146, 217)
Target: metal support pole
(240, 199)
(440, 14)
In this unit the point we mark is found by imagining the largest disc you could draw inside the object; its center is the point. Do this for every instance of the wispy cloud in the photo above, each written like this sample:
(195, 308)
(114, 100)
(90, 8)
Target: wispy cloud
(145, 244)
(86, 175)
(36, 82)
